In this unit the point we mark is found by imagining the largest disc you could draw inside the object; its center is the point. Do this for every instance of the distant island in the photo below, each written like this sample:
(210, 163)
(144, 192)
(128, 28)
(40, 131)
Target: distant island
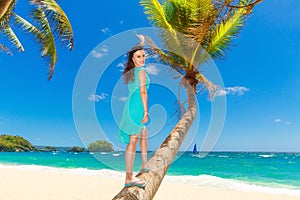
(14, 143)
(10, 143)
(100, 146)
(45, 148)
(76, 149)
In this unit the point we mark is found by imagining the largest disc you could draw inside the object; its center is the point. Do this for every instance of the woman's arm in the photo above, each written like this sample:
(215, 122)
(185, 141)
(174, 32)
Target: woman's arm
(143, 93)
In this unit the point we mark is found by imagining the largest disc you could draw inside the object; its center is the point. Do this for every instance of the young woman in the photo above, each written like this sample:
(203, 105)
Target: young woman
(135, 113)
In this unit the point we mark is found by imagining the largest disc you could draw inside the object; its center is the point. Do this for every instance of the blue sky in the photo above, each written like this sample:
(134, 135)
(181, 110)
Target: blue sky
(261, 75)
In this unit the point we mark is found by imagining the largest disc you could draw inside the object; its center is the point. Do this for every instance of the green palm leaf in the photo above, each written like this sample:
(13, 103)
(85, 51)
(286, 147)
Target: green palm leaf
(164, 56)
(28, 27)
(177, 14)
(52, 23)
(155, 13)
(203, 17)
(224, 33)
(58, 20)
(48, 44)
(13, 38)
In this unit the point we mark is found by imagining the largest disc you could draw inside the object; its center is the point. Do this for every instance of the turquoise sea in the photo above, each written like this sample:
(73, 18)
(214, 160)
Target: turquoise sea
(249, 171)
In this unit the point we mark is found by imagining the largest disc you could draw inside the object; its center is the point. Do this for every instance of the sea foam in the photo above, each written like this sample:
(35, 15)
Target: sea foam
(213, 181)
(201, 180)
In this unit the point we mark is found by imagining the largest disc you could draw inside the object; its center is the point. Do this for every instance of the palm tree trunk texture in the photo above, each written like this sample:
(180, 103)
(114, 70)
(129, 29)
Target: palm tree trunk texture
(4, 5)
(163, 157)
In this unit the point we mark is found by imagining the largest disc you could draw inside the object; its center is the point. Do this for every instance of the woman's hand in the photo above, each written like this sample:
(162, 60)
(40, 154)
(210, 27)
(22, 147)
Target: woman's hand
(146, 117)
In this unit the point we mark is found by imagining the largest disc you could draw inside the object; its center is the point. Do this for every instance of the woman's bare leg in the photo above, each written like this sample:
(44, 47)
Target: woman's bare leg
(144, 147)
(129, 157)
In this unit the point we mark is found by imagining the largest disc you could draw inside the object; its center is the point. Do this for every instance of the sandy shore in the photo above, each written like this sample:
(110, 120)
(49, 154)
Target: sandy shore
(32, 184)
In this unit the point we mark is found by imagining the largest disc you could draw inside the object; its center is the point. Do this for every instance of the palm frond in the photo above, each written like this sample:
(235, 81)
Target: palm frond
(48, 44)
(174, 59)
(224, 33)
(248, 5)
(223, 10)
(58, 20)
(13, 38)
(197, 30)
(4, 48)
(203, 18)
(28, 27)
(164, 57)
(6, 10)
(155, 13)
(195, 19)
(177, 14)
(183, 39)
(205, 84)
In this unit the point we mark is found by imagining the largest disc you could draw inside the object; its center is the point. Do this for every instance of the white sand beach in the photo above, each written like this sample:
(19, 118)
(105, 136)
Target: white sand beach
(35, 184)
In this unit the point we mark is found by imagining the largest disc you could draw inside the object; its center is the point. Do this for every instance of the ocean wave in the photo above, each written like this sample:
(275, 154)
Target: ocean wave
(267, 155)
(223, 156)
(201, 180)
(213, 181)
(80, 171)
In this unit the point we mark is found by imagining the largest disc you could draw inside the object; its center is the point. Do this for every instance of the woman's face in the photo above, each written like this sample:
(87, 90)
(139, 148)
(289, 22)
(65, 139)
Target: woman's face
(139, 58)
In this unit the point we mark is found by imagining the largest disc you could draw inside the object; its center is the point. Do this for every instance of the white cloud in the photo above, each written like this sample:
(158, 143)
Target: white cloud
(106, 31)
(97, 98)
(123, 99)
(152, 69)
(100, 53)
(97, 54)
(237, 90)
(277, 120)
(121, 66)
(104, 49)
(221, 93)
(122, 22)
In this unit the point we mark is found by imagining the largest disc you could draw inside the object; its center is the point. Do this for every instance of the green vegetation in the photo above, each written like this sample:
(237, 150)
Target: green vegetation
(48, 23)
(75, 149)
(10, 143)
(14, 143)
(193, 32)
(100, 145)
(47, 149)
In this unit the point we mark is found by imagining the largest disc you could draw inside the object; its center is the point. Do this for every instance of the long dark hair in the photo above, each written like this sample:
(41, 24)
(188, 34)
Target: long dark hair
(128, 75)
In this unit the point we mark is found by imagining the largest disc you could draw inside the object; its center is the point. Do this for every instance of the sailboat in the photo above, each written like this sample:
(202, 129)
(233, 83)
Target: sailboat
(195, 149)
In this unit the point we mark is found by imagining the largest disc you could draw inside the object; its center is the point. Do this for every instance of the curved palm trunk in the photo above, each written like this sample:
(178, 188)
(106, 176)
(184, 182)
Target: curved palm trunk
(163, 157)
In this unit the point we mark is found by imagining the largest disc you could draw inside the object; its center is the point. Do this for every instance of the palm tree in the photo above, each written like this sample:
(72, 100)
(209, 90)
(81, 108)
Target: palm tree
(192, 31)
(51, 24)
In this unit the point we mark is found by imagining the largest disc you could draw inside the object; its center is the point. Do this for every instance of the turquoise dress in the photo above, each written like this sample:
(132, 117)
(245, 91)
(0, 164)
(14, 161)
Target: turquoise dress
(133, 113)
